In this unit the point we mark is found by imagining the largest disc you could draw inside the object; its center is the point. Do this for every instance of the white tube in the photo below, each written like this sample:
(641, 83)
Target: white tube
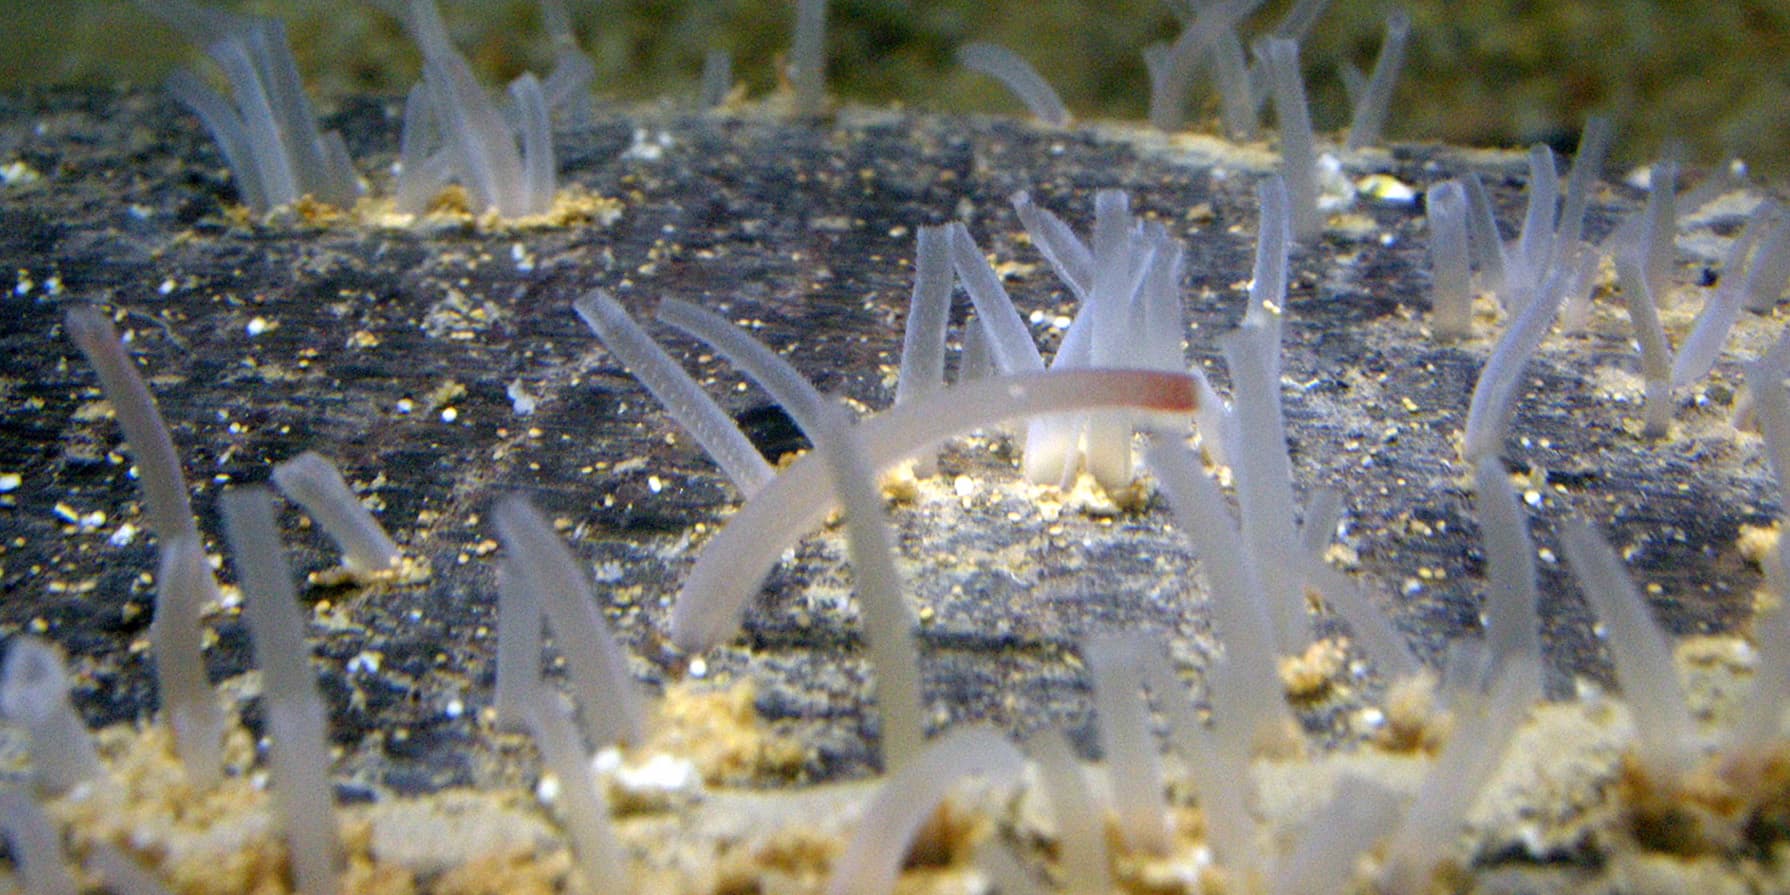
(312, 482)
(297, 725)
(1512, 620)
(184, 586)
(675, 390)
(608, 700)
(1370, 113)
(581, 806)
(158, 465)
(1451, 293)
(34, 693)
(1122, 718)
(1298, 146)
(873, 858)
(888, 624)
(1640, 650)
(1018, 76)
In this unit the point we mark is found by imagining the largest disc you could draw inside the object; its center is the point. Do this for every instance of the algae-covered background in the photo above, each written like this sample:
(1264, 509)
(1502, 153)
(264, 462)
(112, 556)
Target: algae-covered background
(1713, 74)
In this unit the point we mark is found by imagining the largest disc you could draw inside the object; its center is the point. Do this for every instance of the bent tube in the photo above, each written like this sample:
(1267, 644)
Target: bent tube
(708, 608)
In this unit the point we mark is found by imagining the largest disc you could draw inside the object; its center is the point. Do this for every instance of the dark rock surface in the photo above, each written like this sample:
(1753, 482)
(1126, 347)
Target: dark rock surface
(403, 353)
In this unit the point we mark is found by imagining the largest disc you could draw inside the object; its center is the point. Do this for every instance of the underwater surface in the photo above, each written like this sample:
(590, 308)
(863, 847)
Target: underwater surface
(435, 358)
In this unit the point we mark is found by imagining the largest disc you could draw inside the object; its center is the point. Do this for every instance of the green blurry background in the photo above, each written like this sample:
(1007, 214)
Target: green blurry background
(1713, 74)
